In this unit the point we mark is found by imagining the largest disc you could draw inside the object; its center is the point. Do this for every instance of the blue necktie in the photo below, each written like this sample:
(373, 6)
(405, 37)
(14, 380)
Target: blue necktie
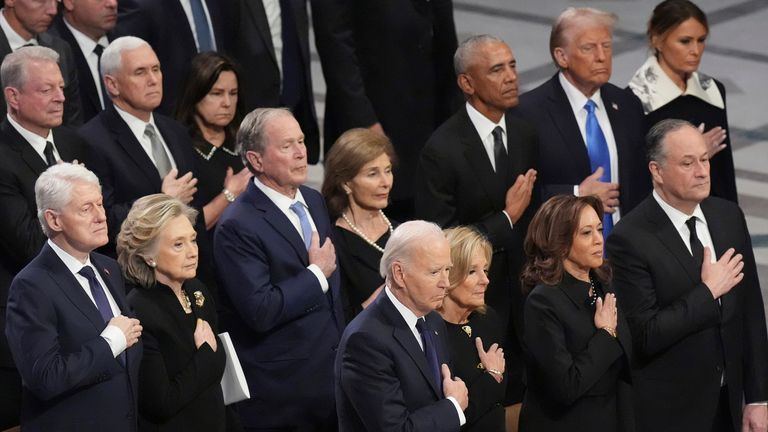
(102, 304)
(597, 147)
(204, 39)
(306, 227)
(430, 350)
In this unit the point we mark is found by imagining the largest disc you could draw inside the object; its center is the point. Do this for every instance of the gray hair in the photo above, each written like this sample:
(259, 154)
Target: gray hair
(466, 51)
(112, 57)
(13, 71)
(53, 189)
(572, 19)
(654, 140)
(251, 136)
(405, 238)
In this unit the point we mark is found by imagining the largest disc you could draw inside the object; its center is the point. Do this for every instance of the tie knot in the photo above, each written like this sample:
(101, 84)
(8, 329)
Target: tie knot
(87, 272)
(590, 106)
(691, 223)
(497, 132)
(98, 49)
(149, 130)
(297, 208)
(421, 325)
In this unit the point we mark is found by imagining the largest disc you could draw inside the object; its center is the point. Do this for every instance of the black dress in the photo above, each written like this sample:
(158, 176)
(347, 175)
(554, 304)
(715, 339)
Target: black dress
(179, 384)
(359, 264)
(485, 412)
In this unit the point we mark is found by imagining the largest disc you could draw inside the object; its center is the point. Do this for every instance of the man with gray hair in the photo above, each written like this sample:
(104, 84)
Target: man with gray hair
(685, 276)
(31, 140)
(277, 268)
(392, 368)
(590, 131)
(68, 321)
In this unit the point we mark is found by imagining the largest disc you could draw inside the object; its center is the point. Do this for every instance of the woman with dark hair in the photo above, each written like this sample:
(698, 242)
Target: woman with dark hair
(358, 179)
(210, 108)
(669, 85)
(576, 341)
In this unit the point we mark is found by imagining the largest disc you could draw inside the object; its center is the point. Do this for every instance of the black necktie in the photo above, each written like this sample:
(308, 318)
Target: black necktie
(50, 159)
(430, 350)
(98, 50)
(697, 250)
(500, 154)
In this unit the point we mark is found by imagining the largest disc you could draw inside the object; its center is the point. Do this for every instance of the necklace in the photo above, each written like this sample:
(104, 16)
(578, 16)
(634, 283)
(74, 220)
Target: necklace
(213, 150)
(592, 299)
(360, 233)
(186, 304)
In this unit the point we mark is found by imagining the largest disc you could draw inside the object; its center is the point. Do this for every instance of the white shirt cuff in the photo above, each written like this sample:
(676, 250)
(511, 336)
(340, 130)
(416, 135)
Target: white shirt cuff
(511, 225)
(320, 277)
(115, 339)
(575, 190)
(758, 403)
(462, 418)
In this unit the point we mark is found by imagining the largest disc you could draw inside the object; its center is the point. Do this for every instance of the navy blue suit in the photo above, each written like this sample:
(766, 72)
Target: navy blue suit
(383, 380)
(284, 328)
(72, 382)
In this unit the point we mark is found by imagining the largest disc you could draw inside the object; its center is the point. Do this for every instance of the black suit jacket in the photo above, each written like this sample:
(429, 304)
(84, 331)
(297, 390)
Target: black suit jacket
(684, 342)
(20, 234)
(164, 25)
(456, 185)
(563, 153)
(89, 96)
(72, 109)
(577, 376)
(383, 380)
(72, 382)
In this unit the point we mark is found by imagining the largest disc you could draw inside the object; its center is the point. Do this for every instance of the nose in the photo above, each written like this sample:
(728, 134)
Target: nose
(192, 251)
(511, 75)
(58, 95)
(110, 3)
(702, 169)
(443, 282)
(226, 100)
(601, 53)
(483, 279)
(51, 7)
(101, 214)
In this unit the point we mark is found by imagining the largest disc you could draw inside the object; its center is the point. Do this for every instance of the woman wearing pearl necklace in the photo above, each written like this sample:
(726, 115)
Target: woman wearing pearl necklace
(358, 179)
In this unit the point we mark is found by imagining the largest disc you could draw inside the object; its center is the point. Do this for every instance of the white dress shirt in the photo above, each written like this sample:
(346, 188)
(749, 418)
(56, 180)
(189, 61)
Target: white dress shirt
(87, 45)
(15, 41)
(678, 220)
(36, 141)
(138, 126)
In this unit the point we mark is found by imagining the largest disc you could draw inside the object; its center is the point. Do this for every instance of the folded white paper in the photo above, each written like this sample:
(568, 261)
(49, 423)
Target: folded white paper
(233, 383)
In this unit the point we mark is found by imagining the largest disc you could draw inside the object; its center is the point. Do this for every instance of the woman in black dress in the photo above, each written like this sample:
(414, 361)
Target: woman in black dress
(474, 331)
(183, 361)
(576, 342)
(211, 110)
(358, 179)
(669, 85)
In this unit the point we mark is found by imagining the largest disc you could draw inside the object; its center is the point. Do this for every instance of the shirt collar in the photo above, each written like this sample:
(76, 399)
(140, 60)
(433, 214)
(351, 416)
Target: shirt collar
(73, 264)
(281, 201)
(483, 124)
(677, 217)
(655, 89)
(32, 138)
(135, 124)
(408, 315)
(577, 98)
(15, 41)
(86, 44)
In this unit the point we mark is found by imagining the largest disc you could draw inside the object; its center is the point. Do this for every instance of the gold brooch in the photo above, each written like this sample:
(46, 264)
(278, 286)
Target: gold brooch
(199, 298)
(468, 330)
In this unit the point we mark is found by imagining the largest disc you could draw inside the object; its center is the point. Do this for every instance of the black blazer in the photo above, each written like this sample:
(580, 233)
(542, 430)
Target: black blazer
(383, 381)
(683, 340)
(564, 161)
(179, 384)
(20, 234)
(578, 377)
(456, 185)
(72, 382)
(72, 109)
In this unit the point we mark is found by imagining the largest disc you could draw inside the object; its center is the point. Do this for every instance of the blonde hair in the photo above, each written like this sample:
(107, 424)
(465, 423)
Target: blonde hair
(573, 19)
(139, 232)
(464, 242)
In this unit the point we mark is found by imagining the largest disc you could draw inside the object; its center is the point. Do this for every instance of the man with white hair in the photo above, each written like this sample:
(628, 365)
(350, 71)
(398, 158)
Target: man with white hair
(392, 364)
(68, 324)
(31, 139)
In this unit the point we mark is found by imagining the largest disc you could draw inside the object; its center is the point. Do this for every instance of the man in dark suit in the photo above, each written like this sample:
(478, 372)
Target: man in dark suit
(392, 368)
(685, 275)
(23, 23)
(277, 265)
(590, 131)
(33, 121)
(68, 323)
(177, 31)
(478, 169)
(86, 27)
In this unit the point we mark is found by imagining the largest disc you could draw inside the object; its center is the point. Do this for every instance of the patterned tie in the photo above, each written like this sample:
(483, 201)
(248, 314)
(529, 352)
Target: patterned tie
(430, 350)
(306, 227)
(500, 155)
(697, 249)
(204, 39)
(162, 162)
(105, 100)
(50, 158)
(597, 147)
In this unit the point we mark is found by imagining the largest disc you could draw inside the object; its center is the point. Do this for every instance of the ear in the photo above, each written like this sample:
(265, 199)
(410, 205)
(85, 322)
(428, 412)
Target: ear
(655, 42)
(656, 172)
(110, 83)
(397, 274)
(465, 84)
(11, 97)
(561, 57)
(53, 221)
(255, 160)
(69, 5)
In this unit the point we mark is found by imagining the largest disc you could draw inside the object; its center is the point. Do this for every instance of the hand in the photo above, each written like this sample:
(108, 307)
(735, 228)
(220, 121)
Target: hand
(519, 195)
(492, 360)
(715, 139)
(203, 334)
(376, 127)
(724, 274)
(607, 192)
(130, 327)
(324, 257)
(236, 183)
(455, 387)
(182, 188)
(755, 418)
(606, 312)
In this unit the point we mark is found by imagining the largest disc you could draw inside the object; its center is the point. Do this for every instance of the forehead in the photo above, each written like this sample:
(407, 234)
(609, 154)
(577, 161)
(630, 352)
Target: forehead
(177, 226)
(137, 58)
(492, 52)
(282, 128)
(683, 142)
(42, 70)
(691, 26)
(588, 216)
(84, 193)
(432, 251)
(593, 33)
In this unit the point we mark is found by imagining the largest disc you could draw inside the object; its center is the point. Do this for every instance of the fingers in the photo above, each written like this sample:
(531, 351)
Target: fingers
(172, 174)
(445, 371)
(701, 128)
(598, 173)
(230, 172)
(314, 242)
(479, 346)
(599, 305)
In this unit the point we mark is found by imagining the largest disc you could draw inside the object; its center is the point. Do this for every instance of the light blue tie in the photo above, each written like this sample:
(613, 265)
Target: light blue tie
(204, 39)
(597, 147)
(306, 227)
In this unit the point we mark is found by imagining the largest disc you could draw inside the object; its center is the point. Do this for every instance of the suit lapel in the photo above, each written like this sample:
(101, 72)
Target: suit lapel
(559, 108)
(477, 157)
(670, 238)
(132, 146)
(87, 85)
(720, 243)
(255, 8)
(20, 145)
(277, 219)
